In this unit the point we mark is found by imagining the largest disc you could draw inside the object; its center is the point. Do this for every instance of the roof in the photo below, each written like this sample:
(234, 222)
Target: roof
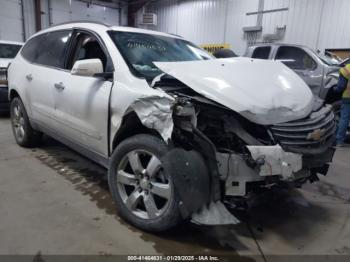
(275, 44)
(10, 42)
(97, 26)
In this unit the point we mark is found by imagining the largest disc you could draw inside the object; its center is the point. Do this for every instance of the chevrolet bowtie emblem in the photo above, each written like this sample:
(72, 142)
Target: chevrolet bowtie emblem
(316, 135)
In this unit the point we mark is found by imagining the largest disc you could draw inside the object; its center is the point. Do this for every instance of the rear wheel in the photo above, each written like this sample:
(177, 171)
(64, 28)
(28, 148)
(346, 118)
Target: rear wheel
(24, 134)
(141, 187)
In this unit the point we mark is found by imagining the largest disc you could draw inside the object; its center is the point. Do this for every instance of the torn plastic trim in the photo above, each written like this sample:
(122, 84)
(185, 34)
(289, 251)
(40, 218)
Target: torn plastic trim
(235, 172)
(155, 112)
(191, 179)
(214, 214)
(275, 161)
(208, 150)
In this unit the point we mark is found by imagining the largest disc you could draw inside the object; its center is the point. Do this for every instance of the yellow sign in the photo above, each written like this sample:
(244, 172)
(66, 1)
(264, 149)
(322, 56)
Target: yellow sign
(211, 48)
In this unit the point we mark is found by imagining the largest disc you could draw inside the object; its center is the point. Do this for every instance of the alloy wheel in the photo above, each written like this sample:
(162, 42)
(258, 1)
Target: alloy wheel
(18, 122)
(143, 185)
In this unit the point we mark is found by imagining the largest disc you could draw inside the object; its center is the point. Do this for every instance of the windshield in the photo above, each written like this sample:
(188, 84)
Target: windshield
(141, 50)
(9, 51)
(329, 60)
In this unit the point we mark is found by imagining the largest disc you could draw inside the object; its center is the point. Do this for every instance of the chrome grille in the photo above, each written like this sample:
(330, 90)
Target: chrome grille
(313, 134)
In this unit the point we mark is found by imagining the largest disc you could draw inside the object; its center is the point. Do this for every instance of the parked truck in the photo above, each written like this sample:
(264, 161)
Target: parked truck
(320, 72)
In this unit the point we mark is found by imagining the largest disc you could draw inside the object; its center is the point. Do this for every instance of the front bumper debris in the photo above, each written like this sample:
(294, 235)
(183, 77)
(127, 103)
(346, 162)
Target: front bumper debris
(214, 214)
(275, 161)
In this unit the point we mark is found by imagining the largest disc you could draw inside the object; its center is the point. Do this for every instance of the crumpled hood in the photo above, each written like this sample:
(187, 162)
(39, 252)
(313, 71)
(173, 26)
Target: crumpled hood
(4, 62)
(265, 92)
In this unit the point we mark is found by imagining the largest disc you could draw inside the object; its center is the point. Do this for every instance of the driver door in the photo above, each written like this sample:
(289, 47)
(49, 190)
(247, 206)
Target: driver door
(82, 102)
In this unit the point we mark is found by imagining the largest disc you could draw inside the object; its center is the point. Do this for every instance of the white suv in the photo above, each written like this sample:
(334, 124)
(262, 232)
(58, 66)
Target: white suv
(182, 134)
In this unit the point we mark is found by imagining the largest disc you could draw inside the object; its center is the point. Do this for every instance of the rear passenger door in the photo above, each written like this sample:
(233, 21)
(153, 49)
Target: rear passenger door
(303, 64)
(82, 102)
(46, 54)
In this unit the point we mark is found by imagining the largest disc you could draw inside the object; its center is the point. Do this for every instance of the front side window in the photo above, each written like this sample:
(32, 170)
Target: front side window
(9, 51)
(295, 58)
(262, 52)
(141, 51)
(48, 49)
(87, 46)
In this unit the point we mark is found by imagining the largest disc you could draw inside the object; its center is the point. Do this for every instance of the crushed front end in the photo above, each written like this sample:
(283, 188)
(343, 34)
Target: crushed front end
(243, 157)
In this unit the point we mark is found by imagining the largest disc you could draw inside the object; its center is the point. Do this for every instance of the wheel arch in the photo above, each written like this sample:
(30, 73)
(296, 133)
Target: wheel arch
(131, 126)
(12, 94)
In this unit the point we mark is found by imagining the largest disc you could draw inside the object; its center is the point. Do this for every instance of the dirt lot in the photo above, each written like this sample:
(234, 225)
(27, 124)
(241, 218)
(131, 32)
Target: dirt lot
(54, 201)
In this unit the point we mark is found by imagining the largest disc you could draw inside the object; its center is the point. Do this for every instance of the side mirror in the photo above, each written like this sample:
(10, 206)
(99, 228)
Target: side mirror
(88, 67)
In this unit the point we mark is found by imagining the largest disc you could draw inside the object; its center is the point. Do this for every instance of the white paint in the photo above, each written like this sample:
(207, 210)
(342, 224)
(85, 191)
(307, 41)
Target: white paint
(87, 67)
(156, 113)
(277, 161)
(274, 95)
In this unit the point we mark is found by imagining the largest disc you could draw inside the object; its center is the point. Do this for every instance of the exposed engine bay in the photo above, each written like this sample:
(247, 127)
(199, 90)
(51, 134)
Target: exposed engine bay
(241, 157)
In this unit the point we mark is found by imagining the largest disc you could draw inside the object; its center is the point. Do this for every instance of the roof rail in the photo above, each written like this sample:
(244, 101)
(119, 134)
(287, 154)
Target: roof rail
(82, 21)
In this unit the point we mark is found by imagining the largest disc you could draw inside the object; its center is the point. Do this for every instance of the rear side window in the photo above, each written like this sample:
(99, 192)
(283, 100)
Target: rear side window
(295, 58)
(262, 52)
(47, 49)
(9, 51)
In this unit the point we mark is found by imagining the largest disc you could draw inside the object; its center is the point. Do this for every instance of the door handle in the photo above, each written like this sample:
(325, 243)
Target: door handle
(59, 86)
(29, 77)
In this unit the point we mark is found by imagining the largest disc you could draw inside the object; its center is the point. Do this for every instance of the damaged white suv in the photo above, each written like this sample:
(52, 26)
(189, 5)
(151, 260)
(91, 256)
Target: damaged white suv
(183, 135)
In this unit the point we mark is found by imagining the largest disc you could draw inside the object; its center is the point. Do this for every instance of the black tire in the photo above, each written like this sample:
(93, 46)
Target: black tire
(29, 137)
(170, 216)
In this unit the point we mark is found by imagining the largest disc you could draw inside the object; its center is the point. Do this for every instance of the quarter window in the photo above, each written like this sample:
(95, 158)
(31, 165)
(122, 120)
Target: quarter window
(262, 52)
(295, 58)
(48, 49)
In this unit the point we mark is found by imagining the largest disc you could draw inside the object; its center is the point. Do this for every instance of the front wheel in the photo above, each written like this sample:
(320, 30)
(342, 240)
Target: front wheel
(141, 187)
(24, 134)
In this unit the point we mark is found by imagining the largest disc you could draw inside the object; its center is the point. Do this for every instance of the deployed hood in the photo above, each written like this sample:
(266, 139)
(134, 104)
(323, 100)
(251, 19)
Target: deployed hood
(265, 92)
(4, 63)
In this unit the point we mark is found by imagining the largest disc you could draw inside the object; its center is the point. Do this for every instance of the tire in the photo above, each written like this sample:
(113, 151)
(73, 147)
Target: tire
(134, 182)
(23, 132)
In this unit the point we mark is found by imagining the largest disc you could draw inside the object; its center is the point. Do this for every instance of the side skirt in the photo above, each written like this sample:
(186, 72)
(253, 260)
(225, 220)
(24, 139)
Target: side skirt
(95, 157)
